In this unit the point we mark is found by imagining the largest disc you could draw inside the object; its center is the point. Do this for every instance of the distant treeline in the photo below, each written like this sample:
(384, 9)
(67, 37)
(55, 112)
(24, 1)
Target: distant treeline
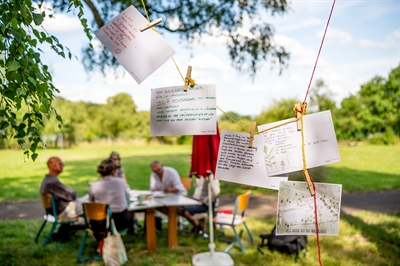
(372, 114)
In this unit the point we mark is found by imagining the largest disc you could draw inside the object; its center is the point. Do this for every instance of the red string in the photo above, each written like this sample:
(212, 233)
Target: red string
(316, 222)
(320, 48)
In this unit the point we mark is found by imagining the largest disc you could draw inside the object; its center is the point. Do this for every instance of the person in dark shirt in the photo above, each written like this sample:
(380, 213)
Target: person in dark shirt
(67, 204)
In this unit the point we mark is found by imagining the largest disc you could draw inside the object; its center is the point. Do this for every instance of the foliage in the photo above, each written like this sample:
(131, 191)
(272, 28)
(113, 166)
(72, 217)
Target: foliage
(117, 115)
(321, 97)
(193, 19)
(24, 78)
(279, 110)
(373, 110)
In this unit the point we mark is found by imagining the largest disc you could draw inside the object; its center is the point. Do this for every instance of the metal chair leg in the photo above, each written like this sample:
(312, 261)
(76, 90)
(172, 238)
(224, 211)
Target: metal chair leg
(39, 232)
(249, 233)
(48, 238)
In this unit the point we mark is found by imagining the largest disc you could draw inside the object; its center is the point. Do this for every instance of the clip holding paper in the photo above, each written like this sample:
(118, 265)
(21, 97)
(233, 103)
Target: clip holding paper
(297, 114)
(151, 24)
(309, 183)
(188, 79)
(253, 126)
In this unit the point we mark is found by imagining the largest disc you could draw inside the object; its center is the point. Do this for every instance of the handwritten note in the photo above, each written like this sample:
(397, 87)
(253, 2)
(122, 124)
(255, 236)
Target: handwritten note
(140, 53)
(176, 112)
(282, 145)
(239, 163)
(295, 212)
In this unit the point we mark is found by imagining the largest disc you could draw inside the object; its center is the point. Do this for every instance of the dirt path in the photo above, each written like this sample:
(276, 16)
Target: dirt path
(262, 205)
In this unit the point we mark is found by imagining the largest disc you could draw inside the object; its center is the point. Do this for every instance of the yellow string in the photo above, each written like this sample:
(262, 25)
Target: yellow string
(178, 69)
(145, 11)
(303, 152)
(281, 124)
(232, 119)
(148, 19)
(190, 81)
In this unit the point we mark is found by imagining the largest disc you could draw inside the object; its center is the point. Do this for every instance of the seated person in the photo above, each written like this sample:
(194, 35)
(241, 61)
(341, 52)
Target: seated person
(120, 171)
(200, 194)
(165, 178)
(112, 191)
(67, 204)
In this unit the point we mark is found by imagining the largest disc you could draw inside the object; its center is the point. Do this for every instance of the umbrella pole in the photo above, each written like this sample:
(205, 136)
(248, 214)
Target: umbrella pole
(211, 258)
(211, 245)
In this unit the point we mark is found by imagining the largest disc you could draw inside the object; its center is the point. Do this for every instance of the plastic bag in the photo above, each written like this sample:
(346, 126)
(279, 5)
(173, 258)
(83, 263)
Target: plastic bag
(113, 250)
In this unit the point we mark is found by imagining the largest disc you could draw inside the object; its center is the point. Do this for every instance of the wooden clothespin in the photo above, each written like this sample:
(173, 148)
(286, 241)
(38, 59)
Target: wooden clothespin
(297, 115)
(253, 126)
(151, 24)
(309, 183)
(188, 79)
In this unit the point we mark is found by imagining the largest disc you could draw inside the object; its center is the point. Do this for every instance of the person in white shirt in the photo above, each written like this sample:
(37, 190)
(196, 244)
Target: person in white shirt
(165, 178)
(200, 194)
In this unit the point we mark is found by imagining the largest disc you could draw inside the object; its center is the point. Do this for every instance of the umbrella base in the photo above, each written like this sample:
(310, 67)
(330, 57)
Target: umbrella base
(218, 258)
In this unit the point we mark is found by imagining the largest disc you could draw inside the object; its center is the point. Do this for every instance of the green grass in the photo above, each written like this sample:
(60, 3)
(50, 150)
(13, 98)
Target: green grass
(365, 167)
(365, 238)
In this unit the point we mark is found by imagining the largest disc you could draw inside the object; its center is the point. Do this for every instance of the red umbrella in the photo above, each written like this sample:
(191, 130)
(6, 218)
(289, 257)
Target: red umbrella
(204, 162)
(204, 154)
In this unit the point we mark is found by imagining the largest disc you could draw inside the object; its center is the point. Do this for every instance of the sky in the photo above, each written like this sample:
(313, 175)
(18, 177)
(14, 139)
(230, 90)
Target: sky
(362, 41)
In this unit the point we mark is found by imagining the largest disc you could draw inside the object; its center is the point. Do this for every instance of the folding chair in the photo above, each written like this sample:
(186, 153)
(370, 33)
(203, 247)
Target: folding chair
(94, 211)
(49, 203)
(234, 219)
(188, 184)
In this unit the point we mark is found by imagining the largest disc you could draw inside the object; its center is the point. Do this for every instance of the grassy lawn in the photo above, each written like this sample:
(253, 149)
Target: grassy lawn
(364, 167)
(365, 239)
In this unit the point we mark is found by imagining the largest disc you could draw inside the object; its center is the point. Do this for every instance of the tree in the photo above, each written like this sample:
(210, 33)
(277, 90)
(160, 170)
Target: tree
(249, 40)
(117, 114)
(321, 97)
(24, 79)
(375, 108)
(280, 110)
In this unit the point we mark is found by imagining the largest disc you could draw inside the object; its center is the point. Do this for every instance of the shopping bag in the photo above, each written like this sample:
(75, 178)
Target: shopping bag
(113, 250)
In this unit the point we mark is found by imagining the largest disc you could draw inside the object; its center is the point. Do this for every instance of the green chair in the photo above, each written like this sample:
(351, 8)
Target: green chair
(235, 219)
(95, 211)
(49, 203)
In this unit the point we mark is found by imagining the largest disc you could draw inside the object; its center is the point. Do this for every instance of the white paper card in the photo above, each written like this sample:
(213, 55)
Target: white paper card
(176, 112)
(295, 212)
(282, 145)
(140, 53)
(239, 163)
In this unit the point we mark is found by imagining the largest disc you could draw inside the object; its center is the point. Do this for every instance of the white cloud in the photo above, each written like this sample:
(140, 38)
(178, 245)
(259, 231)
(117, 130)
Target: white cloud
(62, 23)
(336, 34)
(391, 40)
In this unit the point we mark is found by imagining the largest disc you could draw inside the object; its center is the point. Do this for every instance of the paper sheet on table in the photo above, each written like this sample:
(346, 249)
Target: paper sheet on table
(282, 145)
(239, 163)
(140, 53)
(295, 212)
(176, 112)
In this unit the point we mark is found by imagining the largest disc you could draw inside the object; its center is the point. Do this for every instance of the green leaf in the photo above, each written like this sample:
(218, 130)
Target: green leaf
(32, 80)
(58, 117)
(33, 147)
(14, 65)
(34, 156)
(37, 18)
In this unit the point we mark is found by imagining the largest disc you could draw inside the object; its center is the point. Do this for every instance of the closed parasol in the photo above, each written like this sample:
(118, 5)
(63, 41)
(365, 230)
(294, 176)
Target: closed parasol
(204, 154)
(204, 163)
